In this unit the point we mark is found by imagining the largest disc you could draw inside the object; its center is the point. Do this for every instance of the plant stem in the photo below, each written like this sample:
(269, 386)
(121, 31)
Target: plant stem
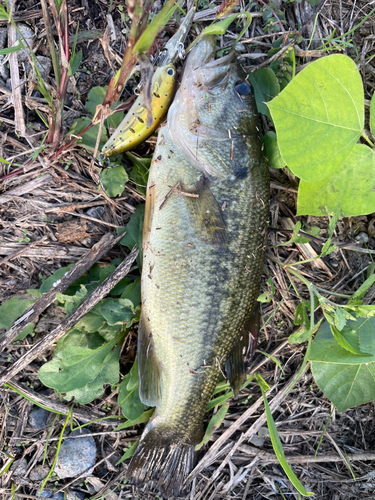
(365, 137)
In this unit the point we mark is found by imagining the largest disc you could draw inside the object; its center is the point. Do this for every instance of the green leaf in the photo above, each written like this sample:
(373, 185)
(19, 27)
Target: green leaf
(267, 297)
(278, 448)
(319, 117)
(143, 419)
(10, 50)
(133, 292)
(109, 374)
(214, 423)
(272, 150)
(74, 63)
(139, 174)
(77, 338)
(131, 405)
(351, 186)
(74, 367)
(88, 138)
(71, 302)
(134, 232)
(372, 115)
(117, 311)
(129, 452)
(266, 87)
(14, 308)
(347, 379)
(147, 38)
(114, 180)
(220, 27)
(54, 278)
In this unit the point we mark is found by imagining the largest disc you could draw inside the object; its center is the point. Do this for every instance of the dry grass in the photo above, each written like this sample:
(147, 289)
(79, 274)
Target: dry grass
(50, 207)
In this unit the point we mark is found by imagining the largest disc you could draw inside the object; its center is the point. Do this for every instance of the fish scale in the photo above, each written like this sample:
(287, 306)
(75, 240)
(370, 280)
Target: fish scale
(203, 246)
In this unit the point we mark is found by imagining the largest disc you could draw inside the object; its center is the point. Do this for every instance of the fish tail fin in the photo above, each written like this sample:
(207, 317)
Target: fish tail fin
(161, 464)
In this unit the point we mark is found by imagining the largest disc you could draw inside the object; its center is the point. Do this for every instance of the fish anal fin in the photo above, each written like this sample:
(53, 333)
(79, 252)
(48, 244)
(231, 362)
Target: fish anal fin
(237, 363)
(206, 214)
(149, 367)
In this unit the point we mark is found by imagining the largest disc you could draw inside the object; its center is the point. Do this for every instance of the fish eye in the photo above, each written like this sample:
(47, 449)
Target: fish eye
(242, 88)
(170, 72)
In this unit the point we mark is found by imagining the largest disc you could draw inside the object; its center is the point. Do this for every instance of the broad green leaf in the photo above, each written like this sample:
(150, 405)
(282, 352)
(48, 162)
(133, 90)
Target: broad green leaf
(372, 115)
(347, 379)
(134, 232)
(272, 150)
(139, 174)
(114, 180)
(95, 98)
(71, 302)
(74, 367)
(319, 117)
(13, 309)
(54, 279)
(133, 292)
(88, 138)
(92, 321)
(117, 311)
(278, 447)
(214, 423)
(266, 87)
(77, 338)
(350, 186)
(109, 374)
(143, 419)
(131, 405)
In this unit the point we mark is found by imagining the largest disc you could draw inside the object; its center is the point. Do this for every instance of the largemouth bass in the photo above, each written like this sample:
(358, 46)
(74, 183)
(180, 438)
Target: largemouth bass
(207, 206)
(133, 130)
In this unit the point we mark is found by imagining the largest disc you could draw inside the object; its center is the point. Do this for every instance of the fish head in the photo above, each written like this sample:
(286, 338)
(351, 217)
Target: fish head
(214, 98)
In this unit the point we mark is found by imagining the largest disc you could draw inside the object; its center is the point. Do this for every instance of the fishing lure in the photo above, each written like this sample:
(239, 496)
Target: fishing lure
(133, 130)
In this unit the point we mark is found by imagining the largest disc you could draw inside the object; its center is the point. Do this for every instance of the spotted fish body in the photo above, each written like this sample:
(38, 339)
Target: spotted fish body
(203, 247)
(133, 130)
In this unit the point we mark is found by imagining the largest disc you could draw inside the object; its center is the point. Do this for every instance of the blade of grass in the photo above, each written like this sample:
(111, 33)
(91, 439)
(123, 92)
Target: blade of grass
(276, 443)
(57, 450)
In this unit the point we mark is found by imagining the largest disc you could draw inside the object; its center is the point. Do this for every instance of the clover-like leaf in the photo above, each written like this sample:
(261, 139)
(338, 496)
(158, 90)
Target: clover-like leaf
(319, 117)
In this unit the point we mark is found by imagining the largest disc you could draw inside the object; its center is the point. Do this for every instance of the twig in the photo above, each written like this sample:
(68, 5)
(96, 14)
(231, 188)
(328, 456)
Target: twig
(302, 459)
(22, 250)
(97, 251)
(86, 306)
(79, 413)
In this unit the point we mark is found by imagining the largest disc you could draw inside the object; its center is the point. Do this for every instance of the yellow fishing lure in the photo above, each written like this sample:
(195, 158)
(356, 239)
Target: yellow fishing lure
(133, 129)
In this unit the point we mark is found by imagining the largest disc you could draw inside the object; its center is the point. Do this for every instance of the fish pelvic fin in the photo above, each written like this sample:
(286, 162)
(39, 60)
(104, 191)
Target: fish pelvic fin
(159, 464)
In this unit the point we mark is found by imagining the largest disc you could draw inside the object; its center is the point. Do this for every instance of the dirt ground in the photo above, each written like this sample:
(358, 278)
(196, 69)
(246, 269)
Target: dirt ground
(47, 222)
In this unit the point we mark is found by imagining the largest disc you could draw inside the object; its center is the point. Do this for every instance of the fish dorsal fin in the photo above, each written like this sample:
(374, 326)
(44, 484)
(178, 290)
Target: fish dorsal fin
(149, 367)
(207, 215)
(237, 363)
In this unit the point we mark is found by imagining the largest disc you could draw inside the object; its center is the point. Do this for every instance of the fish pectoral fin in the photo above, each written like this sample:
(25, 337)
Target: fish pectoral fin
(206, 215)
(237, 363)
(149, 367)
(149, 213)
